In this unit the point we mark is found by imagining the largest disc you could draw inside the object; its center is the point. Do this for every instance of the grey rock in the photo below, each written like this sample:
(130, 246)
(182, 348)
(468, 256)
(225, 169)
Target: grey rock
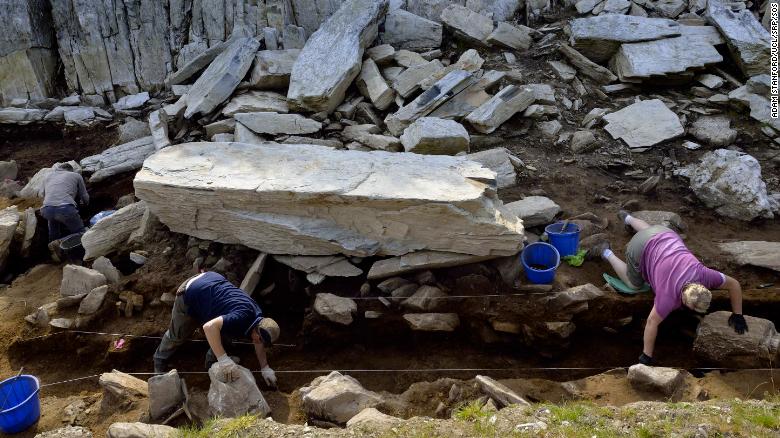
(493, 113)
(92, 302)
(644, 124)
(714, 130)
(534, 210)
(66, 432)
(294, 37)
(133, 101)
(469, 61)
(668, 8)
(598, 38)
(328, 142)
(409, 81)
(373, 86)
(321, 266)
(511, 36)
(498, 10)
(382, 54)
(731, 183)
(407, 58)
(432, 322)
(8, 170)
(62, 323)
(664, 218)
(271, 37)
(585, 6)
(710, 81)
(706, 34)
(563, 70)
(119, 159)
(105, 267)
(220, 127)
(420, 261)
(236, 398)
(272, 68)
(393, 283)
(582, 141)
(334, 308)
(636, 61)
(74, 100)
(165, 394)
(431, 135)
(467, 24)
(664, 380)
(311, 15)
(404, 30)
(122, 388)
(9, 220)
(132, 130)
(373, 419)
(331, 59)
(21, 116)
(501, 161)
(550, 128)
(256, 101)
(180, 90)
(717, 344)
(755, 253)
(78, 280)
(747, 40)
(109, 233)
(221, 77)
(368, 135)
(425, 299)
(141, 430)
(463, 103)
(223, 137)
(274, 123)
(500, 392)
(430, 9)
(337, 398)
(573, 300)
(253, 275)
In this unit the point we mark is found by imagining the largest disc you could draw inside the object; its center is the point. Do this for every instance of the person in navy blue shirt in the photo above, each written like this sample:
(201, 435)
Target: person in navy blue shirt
(225, 313)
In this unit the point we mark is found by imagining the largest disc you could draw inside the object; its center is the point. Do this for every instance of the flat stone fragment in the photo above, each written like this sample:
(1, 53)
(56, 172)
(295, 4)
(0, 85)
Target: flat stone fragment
(655, 379)
(221, 77)
(710, 81)
(373, 86)
(706, 34)
(273, 200)
(409, 80)
(381, 54)
(196, 64)
(274, 123)
(331, 59)
(92, 302)
(753, 252)
(746, 38)
(501, 161)
(372, 418)
(431, 135)
(432, 322)
(119, 159)
(123, 386)
(165, 394)
(469, 99)
(500, 108)
(511, 36)
(425, 299)
(419, 261)
(21, 116)
(141, 430)
(328, 266)
(337, 397)
(405, 30)
(9, 220)
(498, 10)
(563, 70)
(466, 24)
(663, 57)
(368, 135)
(236, 398)
(585, 6)
(78, 280)
(428, 101)
(256, 101)
(500, 392)
(644, 124)
(335, 308)
(718, 344)
(469, 61)
(132, 101)
(714, 130)
(534, 210)
(109, 233)
(272, 68)
(598, 38)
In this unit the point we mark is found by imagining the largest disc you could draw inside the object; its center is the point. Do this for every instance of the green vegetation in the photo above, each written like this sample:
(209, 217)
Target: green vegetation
(219, 429)
(473, 411)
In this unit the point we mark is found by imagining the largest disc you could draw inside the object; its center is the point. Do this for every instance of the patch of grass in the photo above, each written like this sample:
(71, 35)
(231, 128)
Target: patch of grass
(571, 412)
(202, 431)
(472, 411)
(235, 426)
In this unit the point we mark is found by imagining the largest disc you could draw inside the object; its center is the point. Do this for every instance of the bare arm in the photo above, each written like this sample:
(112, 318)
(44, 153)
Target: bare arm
(651, 331)
(260, 353)
(735, 294)
(213, 330)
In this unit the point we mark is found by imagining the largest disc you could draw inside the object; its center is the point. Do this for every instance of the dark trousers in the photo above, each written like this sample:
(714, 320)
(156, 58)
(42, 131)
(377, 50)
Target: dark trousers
(63, 220)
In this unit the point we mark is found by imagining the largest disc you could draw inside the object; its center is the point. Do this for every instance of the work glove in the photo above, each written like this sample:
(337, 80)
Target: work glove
(646, 360)
(738, 322)
(227, 370)
(269, 376)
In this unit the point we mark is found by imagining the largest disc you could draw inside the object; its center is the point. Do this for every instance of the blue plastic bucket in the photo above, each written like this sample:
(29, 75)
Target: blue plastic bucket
(21, 406)
(540, 254)
(565, 241)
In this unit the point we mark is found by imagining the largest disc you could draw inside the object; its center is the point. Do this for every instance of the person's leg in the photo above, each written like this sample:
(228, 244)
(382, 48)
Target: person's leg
(621, 269)
(182, 327)
(48, 213)
(69, 217)
(629, 221)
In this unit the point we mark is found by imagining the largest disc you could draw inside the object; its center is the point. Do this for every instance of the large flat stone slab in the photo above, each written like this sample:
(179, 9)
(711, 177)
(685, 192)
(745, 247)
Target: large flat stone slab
(272, 68)
(110, 232)
(599, 38)
(637, 61)
(312, 200)
(274, 123)
(644, 124)
(331, 58)
(467, 25)
(500, 108)
(418, 261)
(119, 159)
(404, 30)
(747, 40)
(754, 252)
(256, 101)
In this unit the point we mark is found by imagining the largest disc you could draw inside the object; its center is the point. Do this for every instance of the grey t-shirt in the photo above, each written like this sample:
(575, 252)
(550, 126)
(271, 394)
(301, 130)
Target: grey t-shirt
(63, 187)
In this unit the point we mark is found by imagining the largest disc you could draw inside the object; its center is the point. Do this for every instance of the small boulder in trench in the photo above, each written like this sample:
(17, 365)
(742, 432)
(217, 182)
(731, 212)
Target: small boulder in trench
(78, 280)
(121, 390)
(714, 130)
(165, 394)
(718, 344)
(655, 379)
(236, 398)
(335, 308)
(534, 210)
(337, 397)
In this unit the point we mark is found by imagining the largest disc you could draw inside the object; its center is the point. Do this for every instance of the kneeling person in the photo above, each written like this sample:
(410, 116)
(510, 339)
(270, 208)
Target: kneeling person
(225, 313)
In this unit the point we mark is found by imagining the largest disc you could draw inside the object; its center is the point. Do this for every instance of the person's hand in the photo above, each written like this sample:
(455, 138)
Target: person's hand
(738, 322)
(646, 360)
(227, 369)
(269, 376)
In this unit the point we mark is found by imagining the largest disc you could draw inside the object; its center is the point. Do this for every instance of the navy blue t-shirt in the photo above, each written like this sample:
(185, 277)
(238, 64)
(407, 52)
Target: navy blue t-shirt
(212, 296)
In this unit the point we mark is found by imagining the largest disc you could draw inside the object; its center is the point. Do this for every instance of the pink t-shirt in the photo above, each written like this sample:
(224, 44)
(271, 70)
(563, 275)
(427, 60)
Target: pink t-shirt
(668, 266)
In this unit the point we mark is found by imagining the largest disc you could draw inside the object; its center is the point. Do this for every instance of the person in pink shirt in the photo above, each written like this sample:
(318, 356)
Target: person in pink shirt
(658, 256)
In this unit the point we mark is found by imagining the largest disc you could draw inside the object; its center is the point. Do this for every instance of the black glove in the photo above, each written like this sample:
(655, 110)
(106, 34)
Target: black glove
(738, 322)
(646, 360)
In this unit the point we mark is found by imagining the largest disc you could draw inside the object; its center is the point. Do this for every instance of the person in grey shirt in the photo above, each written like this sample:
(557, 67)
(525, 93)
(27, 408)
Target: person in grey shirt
(61, 189)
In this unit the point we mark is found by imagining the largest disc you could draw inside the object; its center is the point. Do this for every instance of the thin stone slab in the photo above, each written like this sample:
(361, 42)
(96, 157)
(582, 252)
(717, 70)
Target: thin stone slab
(221, 78)
(511, 36)
(663, 57)
(274, 123)
(21, 116)
(753, 252)
(382, 54)
(325, 266)
(9, 220)
(272, 68)
(119, 159)
(600, 74)
(407, 58)
(535, 210)
(707, 34)
(409, 81)
(432, 322)
(500, 392)
(500, 108)
(313, 200)
(428, 101)
(373, 86)
(598, 38)
(747, 40)
(404, 30)
(644, 124)
(469, 99)
(256, 101)
(331, 59)
(431, 135)
(467, 25)
(501, 161)
(109, 233)
(469, 61)
(420, 261)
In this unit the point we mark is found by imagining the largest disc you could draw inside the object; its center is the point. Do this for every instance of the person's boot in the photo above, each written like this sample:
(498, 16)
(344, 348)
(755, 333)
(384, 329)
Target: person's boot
(622, 215)
(595, 251)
